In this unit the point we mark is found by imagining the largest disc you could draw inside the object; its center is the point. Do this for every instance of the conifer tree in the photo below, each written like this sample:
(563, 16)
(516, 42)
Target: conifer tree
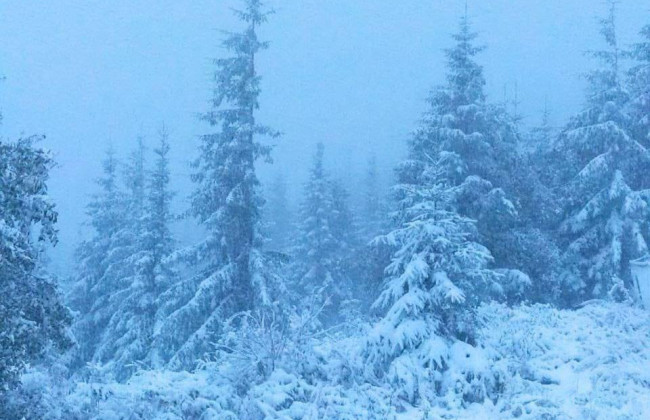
(484, 139)
(101, 263)
(122, 328)
(32, 316)
(320, 240)
(127, 339)
(228, 267)
(639, 82)
(159, 241)
(603, 168)
(158, 272)
(437, 275)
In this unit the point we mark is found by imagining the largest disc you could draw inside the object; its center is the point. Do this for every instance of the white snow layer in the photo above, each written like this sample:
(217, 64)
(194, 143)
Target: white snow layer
(591, 363)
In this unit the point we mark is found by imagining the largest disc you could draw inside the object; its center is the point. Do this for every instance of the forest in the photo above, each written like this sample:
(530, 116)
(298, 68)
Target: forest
(496, 277)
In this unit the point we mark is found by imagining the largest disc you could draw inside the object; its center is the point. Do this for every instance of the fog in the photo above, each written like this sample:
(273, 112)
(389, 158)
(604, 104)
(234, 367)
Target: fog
(457, 217)
(353, 75)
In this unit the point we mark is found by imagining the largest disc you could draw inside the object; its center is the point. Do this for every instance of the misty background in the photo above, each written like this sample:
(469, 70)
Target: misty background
(350, 74)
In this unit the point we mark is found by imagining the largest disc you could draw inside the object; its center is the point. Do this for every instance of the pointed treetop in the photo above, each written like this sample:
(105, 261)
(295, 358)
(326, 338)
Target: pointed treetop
(607, 78)
(254, 12)
(465, 74)
(608, 24)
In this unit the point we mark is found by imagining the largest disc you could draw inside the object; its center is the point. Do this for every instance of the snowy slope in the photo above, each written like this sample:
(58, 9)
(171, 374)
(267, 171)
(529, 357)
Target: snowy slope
(591, 363)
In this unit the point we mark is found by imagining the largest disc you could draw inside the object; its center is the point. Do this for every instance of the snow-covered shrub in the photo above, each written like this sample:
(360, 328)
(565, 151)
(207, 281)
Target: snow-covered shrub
(251, 347)
(590, 363)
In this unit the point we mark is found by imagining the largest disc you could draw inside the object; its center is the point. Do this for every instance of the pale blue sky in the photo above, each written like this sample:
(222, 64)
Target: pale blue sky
(351, 73)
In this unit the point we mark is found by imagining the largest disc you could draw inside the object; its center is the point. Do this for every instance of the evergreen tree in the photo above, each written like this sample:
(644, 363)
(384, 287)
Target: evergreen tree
(342, 223)
(524, 239)
(639, 81)
(484, 138)
(101, 263)
(612, 227)
(229, 270)
(159, 241)
(437, 275)
(368, 258)
(126, 340)
(322, 240)
(602, 169)
(117, 337)
(32, 316)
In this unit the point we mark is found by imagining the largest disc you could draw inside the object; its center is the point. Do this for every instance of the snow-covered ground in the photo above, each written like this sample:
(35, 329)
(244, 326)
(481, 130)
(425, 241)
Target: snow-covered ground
(591, 363)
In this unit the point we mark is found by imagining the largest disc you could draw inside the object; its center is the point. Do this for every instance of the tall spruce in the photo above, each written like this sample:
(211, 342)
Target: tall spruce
(604, 180)
(449, 201)
(126, 341)
(159, 273)
(228, 269)
(121, 342)
(484, 139)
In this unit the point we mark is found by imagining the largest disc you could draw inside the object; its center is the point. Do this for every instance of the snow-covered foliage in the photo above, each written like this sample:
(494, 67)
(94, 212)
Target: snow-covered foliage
(122, 267)
(325, 239)
(589, 363)
(613, 226)
(480, 141)
(437, 276)
(228, 267)
(584, 363)
(32, 316)
(129, 335)
(639, 81)
(472, 297)
(604, 178)
(101, 263)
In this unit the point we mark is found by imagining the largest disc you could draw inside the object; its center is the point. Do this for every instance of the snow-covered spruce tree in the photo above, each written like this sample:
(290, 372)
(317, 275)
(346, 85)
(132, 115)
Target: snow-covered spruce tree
(279, 217)
(639, 86)
(605, 174)
(460, 120)
(349, 251)
(228, 267)
(322, 242)
(528, 241)
(613, 227)
(32, 316)
(126, 340)
(437, 276)
(484, 138)
(101, 263)
(107, 269)
(115, 337)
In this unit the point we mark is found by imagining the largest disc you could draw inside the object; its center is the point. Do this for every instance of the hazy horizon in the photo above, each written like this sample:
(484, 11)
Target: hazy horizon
(353, 75)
